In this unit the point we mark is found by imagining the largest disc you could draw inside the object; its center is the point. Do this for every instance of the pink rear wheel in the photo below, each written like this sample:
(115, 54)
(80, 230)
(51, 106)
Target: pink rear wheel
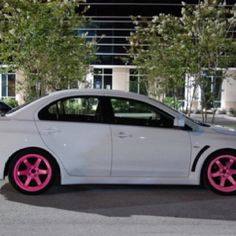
(31, 173)
(220, 174)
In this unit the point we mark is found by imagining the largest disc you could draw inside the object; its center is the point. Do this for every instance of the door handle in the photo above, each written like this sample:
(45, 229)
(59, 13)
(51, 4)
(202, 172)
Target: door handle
(50, 130)
(124, 135)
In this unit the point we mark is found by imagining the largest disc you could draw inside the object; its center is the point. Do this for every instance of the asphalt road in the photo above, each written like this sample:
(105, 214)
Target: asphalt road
(117, 210)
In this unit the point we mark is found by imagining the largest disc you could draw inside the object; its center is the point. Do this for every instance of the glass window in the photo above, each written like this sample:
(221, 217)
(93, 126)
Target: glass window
(97, 81)
(102, 78)
(4, 85)
(133, 84)
(80, 109)
(107, 71)
(107, 81)
(131, 112)
(8, 85)
(137, 82)
(97, 71)
(11, 85)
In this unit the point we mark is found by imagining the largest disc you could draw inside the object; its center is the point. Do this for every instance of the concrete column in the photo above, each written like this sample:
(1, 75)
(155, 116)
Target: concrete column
(228, 96)
(19, 93)
(120, 79)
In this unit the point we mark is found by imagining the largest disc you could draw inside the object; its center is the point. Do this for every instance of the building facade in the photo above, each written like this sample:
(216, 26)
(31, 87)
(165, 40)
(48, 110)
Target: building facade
(110, 26)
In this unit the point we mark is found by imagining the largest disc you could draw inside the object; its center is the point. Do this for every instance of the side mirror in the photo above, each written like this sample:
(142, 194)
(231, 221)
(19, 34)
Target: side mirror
(179, 121)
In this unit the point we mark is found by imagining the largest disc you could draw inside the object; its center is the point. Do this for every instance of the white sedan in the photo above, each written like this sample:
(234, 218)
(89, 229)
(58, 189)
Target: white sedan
(112, 137)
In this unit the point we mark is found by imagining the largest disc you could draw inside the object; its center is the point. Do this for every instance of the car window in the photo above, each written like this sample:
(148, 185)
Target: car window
(132, 112)
(80, 109)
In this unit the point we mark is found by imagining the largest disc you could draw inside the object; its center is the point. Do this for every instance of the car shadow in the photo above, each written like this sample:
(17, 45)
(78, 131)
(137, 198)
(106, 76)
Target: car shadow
(128, 200)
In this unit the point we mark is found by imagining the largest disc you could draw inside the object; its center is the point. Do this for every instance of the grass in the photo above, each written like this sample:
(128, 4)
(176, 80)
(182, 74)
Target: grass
(231, 126)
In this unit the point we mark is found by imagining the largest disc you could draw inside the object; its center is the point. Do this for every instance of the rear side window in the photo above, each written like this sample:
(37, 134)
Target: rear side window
(80, 109)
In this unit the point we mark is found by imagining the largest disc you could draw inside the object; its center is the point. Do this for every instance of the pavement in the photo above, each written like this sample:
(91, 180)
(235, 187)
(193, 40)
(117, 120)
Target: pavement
(107, 210)
(220, 119)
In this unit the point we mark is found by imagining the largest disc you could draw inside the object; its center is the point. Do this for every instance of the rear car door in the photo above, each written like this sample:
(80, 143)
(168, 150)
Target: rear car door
(73, 129)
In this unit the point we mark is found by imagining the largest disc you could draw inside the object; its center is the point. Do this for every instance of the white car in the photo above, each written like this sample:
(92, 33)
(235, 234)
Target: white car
(112, 137)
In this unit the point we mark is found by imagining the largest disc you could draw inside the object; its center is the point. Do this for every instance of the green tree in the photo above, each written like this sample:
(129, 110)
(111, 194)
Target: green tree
(155, 53)
(200, 43)
(210, 45)
(42, 40)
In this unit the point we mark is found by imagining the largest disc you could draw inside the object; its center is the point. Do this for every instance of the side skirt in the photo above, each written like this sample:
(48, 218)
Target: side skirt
(129, 180)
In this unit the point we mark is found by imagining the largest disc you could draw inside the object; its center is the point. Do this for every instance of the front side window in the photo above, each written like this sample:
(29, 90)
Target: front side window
(131, 112)
(81, 109)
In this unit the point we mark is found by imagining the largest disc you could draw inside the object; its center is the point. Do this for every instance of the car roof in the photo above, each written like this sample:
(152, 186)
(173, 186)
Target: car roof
(27, 111)
(99, 92)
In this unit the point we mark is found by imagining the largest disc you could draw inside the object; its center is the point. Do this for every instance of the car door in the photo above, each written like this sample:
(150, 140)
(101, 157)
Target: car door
(145, 142)
(73, 130)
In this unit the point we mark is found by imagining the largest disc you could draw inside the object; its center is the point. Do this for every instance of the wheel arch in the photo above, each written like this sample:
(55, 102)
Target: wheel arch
(40, 151)
(213, 154)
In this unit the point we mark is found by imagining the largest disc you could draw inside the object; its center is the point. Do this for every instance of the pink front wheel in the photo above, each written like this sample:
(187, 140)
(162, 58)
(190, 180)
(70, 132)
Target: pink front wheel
(31, 173)
(220, 174)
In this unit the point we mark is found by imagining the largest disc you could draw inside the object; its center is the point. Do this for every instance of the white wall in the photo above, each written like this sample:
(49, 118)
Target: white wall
(192, 101)
(120, 80)
(228, 96)
(19, 94)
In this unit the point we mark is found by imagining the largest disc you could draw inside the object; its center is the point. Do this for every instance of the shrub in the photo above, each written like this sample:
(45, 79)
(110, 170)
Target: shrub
(11, 102)
(172, 102)
(232, 111)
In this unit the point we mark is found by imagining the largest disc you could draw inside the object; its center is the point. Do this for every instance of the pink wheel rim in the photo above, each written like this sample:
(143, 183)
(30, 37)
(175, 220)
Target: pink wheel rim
(32, 172)
(222, 173)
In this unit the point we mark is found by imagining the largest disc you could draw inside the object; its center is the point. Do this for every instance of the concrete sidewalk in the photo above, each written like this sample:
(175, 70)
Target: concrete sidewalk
(220, 119)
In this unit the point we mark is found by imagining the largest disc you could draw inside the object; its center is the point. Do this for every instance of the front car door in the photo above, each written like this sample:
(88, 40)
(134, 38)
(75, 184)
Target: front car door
(145, 142)
(74, 131)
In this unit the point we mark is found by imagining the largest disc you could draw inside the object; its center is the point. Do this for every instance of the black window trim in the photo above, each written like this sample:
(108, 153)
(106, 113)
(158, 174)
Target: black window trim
(99, 97)
(155, 109)
(107, 116)
(109, 113)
